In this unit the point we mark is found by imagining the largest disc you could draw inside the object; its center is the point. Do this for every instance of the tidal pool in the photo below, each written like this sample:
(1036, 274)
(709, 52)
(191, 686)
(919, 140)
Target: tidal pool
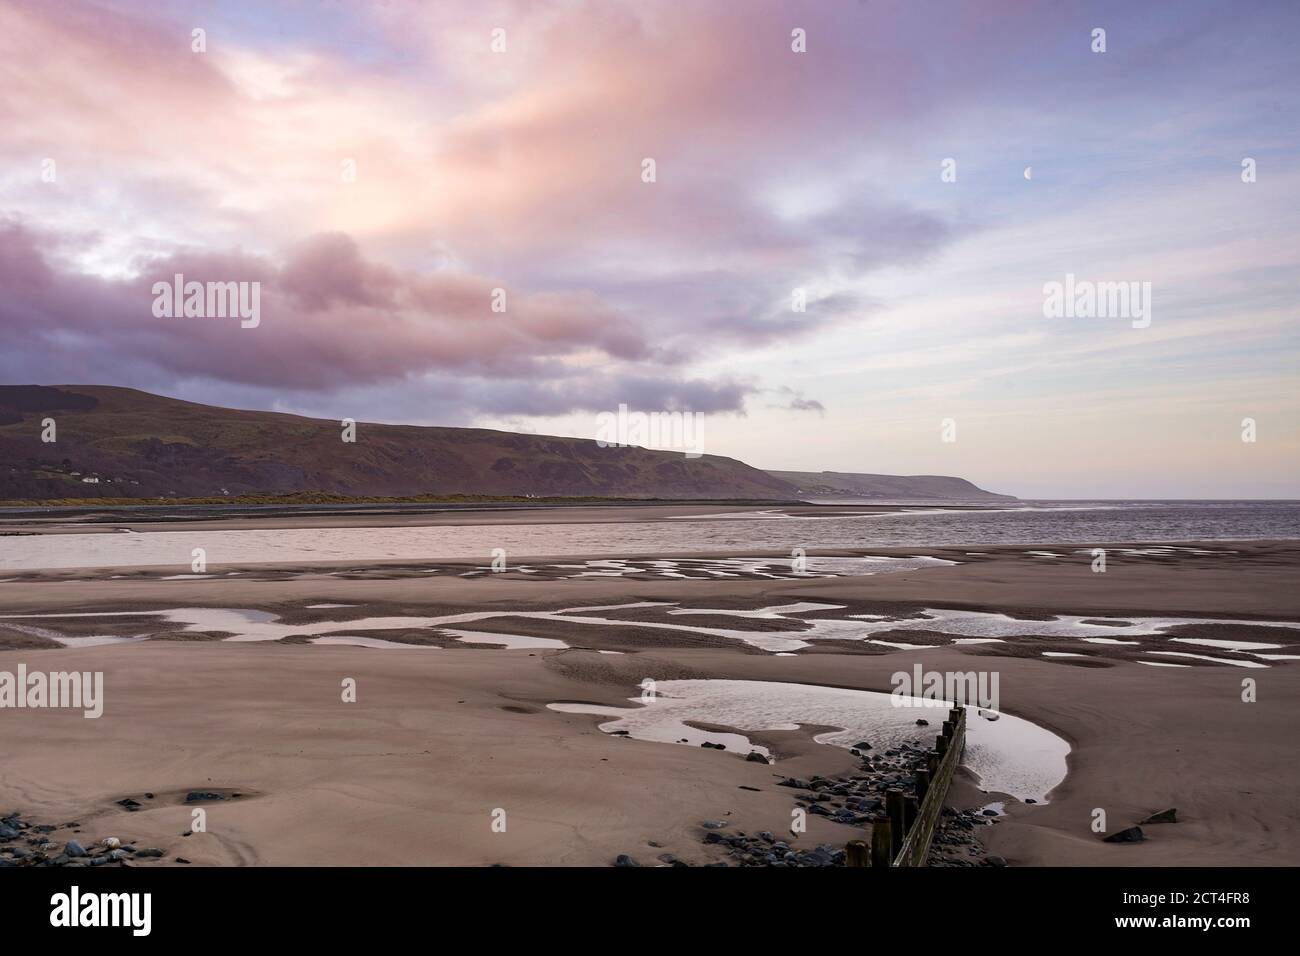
(1009, 754)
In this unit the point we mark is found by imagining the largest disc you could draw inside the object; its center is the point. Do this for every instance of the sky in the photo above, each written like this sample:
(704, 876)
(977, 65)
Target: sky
(918, 172)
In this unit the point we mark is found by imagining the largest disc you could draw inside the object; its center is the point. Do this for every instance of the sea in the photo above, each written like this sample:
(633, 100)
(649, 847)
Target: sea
(771, 530)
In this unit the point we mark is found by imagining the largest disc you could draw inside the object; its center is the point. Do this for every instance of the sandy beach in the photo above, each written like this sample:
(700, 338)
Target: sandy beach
(444, 735)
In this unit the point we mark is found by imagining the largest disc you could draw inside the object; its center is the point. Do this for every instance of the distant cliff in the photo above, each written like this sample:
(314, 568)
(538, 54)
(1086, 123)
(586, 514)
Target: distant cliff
(840, 484)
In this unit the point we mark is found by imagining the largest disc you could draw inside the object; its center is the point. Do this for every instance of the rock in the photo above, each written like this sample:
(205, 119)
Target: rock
(1164, 816)
(1131, 835)
(129, 804)
(112, 843)
(181, 859)
(149, 851)
(714, 837)
(922, 722)
(117, 854)
(621, 860)
(196, 795)
(713, 824)
(768, 836)
(21, 852)
(756, 757)
(74, 849)
(7, 832)
(996, 861)
(98, 860)
(989, 813)
(1030, 800)
(862, 745)
(61, 859)
(148, 796)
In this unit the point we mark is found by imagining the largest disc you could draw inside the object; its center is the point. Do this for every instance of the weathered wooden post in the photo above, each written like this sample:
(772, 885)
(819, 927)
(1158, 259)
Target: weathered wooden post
(941, 746)
(949, 728)
(856, 854)
(922, 783)
(910, 808)
(881, 841)
(897, 825)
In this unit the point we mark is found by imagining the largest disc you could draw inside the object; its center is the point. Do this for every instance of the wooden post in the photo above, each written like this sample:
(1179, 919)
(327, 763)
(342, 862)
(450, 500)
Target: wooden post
(881, 840)
(897, 825)
(941, 746)
(856, 853)
(910, 807)
(954, 715)
(948, 730)
(922, 782)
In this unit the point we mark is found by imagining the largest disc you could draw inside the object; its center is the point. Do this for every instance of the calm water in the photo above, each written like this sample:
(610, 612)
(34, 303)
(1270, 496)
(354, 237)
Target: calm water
(1033, 523)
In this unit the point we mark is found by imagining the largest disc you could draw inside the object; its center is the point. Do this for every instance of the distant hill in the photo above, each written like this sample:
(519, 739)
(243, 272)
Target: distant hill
(839, 484)
(120, 442)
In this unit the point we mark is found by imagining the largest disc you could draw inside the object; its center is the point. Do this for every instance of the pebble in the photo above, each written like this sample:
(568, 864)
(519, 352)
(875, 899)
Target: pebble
(855, 800)
(1164, 816)
(1130, 835)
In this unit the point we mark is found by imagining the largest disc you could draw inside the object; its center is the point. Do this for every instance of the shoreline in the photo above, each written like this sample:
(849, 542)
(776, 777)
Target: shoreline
(443, 732)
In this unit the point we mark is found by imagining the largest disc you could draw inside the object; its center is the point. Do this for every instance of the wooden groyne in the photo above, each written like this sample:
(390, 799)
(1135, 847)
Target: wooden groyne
(902, 836)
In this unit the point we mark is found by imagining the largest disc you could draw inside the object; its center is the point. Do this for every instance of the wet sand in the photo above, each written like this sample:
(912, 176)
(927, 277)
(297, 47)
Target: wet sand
(442, 736)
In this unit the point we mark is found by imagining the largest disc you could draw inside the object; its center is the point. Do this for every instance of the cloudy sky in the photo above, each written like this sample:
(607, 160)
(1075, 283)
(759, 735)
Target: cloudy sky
(127, 157)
